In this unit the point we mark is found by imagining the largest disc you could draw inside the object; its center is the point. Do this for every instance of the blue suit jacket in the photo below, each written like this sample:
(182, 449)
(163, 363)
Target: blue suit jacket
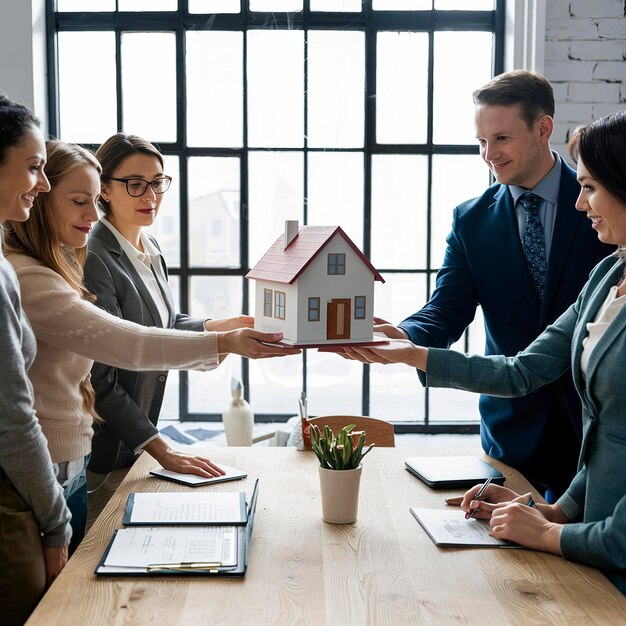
(595, 502)
(129, 402)
(485, 265)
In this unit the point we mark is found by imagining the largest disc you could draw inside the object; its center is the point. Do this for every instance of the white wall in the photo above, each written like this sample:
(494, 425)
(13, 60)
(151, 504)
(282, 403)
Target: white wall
(22, 54)
(585, 60)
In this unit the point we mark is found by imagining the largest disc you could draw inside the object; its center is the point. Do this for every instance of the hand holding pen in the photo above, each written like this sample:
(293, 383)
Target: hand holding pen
(472, 512)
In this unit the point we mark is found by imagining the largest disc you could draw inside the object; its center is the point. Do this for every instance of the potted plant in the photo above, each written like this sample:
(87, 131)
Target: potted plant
(340, 471)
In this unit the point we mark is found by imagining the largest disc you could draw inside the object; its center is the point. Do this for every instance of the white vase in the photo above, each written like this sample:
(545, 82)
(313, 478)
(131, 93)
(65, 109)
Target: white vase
(238, 419)
(339, 490)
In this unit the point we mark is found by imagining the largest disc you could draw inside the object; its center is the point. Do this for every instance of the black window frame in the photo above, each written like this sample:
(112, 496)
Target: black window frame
(368, 21)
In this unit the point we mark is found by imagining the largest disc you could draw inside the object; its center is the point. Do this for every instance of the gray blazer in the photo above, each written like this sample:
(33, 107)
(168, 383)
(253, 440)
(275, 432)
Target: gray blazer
(595, 502)
(128, 402)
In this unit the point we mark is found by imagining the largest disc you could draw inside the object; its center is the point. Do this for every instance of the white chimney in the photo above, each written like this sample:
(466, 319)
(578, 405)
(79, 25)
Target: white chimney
(291, 231)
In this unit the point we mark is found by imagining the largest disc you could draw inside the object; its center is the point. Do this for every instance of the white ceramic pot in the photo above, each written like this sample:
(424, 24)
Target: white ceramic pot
(340, 495)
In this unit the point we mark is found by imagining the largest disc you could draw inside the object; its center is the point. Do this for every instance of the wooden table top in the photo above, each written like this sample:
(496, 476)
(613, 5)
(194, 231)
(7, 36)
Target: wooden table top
(384, 569)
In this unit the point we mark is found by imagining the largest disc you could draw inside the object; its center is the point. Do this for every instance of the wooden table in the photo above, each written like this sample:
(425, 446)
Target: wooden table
(383, 569)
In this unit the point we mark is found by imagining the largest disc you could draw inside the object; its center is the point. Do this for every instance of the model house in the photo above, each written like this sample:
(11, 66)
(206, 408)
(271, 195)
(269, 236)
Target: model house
(316, 287)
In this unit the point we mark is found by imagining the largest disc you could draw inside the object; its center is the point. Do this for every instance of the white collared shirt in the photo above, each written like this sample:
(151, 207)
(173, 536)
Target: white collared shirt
(142, 262)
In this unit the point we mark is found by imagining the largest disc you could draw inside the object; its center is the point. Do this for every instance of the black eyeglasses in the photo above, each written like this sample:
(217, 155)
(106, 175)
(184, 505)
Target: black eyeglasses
(136, 187)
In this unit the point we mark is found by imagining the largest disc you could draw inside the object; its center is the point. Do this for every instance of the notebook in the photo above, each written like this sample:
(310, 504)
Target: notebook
(449, 472)
(198, 481)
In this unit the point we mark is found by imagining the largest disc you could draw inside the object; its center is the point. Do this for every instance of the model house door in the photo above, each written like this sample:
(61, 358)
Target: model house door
(338, 319)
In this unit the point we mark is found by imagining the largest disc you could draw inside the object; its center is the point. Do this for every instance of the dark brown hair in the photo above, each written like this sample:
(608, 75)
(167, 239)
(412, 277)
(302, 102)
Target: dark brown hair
(529, 91)
(601, 146)
(114, 150)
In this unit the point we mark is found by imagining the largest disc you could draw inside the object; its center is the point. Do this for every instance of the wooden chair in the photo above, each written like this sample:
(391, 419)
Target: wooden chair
(377, 431)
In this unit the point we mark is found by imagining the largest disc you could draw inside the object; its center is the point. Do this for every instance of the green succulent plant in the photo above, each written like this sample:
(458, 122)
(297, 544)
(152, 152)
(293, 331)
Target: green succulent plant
(340, 452)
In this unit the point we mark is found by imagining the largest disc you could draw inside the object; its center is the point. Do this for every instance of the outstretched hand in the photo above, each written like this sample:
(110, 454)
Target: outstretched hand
(230, 323)
(179, 461)
(388, 329)
(252, 344)
(396, 351)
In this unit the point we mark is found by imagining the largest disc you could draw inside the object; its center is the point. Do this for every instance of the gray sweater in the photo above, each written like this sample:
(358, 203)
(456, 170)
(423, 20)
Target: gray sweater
(24, 456)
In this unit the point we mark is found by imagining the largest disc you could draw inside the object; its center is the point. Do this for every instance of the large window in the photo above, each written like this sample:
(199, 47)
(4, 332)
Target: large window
(339, 112)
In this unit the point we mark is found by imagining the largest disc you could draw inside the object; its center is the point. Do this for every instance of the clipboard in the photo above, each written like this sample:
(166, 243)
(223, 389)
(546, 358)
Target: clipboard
(237, 569)
(449, 472)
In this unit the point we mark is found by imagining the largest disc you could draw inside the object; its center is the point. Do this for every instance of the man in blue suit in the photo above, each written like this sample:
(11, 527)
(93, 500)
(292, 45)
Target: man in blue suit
(523, 275)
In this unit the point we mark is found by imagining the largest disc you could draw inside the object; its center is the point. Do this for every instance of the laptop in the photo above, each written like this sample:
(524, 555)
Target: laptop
(449, 472)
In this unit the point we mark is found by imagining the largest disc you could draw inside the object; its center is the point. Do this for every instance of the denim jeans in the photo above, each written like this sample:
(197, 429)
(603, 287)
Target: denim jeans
(75, 493)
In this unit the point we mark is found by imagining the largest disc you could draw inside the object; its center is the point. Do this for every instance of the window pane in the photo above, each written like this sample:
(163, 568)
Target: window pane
(170, 409)
(214, 6)
(336, 5)
(471, 178)
(148, 5)
(334, 385)
(336, 192)
(276, 88)
(399, 185)
(401, 87)
(395, 391)
(143, 54)
(402, 5)
(276, 194)
(214, 200)
(275, 384)
(81, 5)
(276, 5)
(215, 88)
(87, 68)
(336, 85)
(456, 76)
(465, 5)
(214, 297)
(166, 227)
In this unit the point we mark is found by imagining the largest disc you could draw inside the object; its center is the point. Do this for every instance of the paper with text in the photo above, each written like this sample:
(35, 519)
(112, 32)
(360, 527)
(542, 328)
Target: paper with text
(450, 528)
(187, 508)
(142, 546)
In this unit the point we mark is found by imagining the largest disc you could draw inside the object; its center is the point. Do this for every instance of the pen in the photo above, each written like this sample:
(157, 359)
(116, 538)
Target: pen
(182, 567)
(471, 512)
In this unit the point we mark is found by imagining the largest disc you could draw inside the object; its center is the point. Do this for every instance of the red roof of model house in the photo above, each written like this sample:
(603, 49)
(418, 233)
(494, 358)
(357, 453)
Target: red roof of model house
(282, 264)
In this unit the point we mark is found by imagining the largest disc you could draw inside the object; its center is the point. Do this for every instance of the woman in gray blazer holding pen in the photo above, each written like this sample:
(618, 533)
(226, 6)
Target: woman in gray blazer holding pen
(128, 275)
(588, 523)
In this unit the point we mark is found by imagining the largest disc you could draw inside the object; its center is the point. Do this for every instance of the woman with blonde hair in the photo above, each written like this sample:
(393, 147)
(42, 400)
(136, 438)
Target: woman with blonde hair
(34, 519)
(72, 332)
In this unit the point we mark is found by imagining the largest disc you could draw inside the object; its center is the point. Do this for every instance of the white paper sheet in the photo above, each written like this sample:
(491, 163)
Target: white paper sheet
(192, 479)
(187, 508)
(142, 546)
(450, 528)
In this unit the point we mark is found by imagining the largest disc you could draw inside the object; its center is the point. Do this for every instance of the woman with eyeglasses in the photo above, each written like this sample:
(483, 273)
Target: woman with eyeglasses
(34, 519)
(128, 275)
(47, 253)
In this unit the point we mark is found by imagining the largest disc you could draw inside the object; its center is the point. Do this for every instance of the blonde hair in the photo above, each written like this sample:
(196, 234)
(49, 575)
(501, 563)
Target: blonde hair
(37, 236)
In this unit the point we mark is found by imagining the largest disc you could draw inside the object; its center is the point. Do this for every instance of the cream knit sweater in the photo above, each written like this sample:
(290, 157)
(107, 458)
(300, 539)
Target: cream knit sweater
(71, 334)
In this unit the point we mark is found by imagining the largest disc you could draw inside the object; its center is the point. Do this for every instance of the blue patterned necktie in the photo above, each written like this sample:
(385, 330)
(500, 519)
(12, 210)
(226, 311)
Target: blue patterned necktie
(534, 242)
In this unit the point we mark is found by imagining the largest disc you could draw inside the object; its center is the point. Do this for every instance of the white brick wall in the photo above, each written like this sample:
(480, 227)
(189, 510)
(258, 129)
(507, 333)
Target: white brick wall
(585, 60)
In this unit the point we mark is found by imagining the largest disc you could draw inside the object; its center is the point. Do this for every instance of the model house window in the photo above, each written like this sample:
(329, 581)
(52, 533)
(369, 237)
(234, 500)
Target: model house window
(314, 309)
(267, 302)
(279, 305)
(336, 264)
(333, 112)
(359, 307)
